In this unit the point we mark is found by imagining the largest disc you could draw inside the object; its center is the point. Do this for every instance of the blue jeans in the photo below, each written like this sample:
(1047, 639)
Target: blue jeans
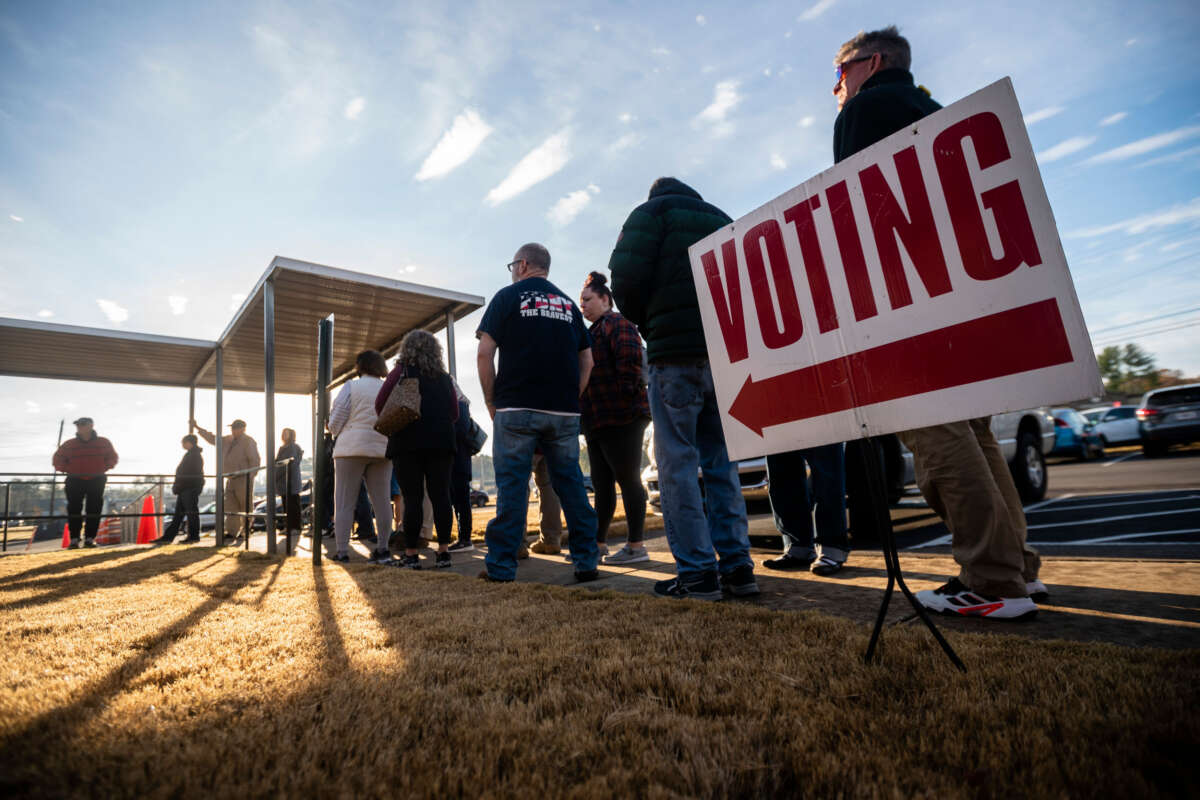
(515, 435)
(792, 501)
(688, 440)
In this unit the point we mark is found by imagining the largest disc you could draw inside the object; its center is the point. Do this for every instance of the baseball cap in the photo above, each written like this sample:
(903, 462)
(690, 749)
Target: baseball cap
(238, 423)
(83, 420)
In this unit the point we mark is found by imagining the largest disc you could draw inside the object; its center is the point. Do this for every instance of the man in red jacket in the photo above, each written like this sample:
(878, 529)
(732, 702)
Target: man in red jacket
(85, 459)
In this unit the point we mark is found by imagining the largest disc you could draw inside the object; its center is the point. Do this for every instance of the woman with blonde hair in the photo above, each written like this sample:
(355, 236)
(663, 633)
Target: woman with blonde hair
(422, 452)
(361, 452)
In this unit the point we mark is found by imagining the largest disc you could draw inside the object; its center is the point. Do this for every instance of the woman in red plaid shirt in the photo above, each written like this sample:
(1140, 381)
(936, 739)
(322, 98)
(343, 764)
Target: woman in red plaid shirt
(614, 415)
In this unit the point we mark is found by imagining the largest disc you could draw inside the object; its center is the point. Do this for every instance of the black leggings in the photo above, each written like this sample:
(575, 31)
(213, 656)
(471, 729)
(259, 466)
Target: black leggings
(616, 456)
(417, 472)
(460, 493)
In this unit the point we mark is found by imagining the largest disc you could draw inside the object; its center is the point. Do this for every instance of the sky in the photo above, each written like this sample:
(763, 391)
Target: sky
(154, 157)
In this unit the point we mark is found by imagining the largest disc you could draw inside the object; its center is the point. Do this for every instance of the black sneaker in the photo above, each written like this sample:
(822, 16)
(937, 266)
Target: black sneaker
(343, 558)
(740, 582)
(410, 562)
(442, 561)
(89, 542)
(788, 563)
(74, 545)
(191, 540)
(461, 547)
(706, 587)
(383, 558)
(586, 575)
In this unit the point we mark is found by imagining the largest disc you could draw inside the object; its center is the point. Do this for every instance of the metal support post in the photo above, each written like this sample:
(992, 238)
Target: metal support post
(450, 359)
(321, 458)
(7, 511)
(191, 408)
(219, 511)
(247, 521)
(287, 527)
(269, 386)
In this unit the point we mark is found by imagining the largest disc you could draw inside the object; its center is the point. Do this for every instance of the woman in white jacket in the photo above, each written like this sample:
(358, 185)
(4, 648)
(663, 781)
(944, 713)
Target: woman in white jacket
(361, 451)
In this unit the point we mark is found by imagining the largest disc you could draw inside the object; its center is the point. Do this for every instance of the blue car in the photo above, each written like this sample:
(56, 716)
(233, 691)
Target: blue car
(1073, 436)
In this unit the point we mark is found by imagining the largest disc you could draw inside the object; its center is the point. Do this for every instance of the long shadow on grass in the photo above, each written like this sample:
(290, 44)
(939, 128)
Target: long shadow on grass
(331, 632)
(45, 730)
(72, 561)
(66, 586)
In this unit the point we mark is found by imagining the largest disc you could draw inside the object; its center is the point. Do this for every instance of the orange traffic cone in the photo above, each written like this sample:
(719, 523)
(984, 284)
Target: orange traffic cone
(66, 535)
(147, 529)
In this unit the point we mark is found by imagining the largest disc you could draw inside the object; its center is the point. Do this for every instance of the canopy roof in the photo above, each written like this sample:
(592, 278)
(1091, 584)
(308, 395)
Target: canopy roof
(370, 312)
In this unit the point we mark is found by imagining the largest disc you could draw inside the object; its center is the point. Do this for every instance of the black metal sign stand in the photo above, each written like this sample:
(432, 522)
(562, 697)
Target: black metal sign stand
(873, 470)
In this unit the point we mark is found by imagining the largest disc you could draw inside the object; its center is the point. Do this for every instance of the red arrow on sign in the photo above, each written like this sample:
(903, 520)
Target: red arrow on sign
(1021, 339)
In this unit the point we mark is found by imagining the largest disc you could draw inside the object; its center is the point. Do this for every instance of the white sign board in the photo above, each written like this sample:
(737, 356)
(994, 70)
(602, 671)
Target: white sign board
(917, 282)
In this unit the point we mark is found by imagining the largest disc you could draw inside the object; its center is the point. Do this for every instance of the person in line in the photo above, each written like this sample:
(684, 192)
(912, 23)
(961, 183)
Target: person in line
(360, 452)
(285, 472)
(550, 531)
(422, 452)
(959, 467)
(363, 522)
(460, 473)
(824, 550)
(189, 482)
(615, 413)
(533, 399)
(239, 452)
(396, 543)
(84, 458)
(652, 285)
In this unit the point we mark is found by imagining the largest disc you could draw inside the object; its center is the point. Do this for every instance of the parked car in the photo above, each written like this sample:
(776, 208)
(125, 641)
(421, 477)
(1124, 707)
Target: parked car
(479, 499)
(1073, 435)
(1115, 424)
(1169, 416)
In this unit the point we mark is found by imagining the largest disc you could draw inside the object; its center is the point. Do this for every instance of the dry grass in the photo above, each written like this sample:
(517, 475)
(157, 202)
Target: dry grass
(166, 673)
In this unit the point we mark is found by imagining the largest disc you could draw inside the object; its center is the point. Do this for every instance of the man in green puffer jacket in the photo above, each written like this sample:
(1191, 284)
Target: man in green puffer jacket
(653, 287)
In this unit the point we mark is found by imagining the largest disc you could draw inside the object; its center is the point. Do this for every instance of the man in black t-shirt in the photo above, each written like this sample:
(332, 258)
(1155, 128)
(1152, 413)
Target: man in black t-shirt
(545, 361)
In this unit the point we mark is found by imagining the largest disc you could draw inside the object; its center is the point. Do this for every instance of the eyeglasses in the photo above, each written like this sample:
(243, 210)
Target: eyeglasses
(512, 264)
(841, 68)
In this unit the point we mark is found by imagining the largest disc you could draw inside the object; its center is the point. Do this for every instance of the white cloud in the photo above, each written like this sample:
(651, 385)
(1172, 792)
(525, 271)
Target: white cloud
(32, 408)
(15, 218)
(625, 117)
(569, 207)
(178, 304)
(816, 10)
(1163, 218)
(1045, 113)
(767, 72)
(538, 164)
(457, 145)
(1113, 119)
(1147, 145)
(1065, 148)
(115, 313)
(235, 301)
(355, 107)
(45, 313)
(701, 19)
(624, 143)
(807, 122)
(1130, 42)
(725, 97)
(408, 268)
(777, 161)
(1170, 158)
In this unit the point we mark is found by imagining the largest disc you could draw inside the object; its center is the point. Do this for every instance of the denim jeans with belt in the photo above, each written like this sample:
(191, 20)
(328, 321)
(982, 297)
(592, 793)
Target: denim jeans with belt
(792, 501)
(688, 440)
(515, 436)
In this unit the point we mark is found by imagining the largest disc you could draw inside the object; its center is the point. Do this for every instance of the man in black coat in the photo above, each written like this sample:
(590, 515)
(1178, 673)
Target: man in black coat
(189, 482)
(960, 470)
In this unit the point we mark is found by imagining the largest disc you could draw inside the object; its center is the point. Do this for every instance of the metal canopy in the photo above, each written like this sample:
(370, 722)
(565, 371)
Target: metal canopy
(371, 312)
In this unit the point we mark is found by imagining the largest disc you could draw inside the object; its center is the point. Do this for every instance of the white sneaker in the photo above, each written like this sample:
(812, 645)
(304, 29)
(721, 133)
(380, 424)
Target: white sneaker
(628, 555)
(1037, 591)
(955, 598)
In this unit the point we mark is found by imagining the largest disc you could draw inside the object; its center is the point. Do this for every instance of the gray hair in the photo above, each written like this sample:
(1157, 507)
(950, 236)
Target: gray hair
(536, 254)
(892, 48)
(422, 350)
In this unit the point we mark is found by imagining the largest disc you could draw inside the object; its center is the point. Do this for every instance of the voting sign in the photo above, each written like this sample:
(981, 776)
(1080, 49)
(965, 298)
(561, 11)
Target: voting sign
(918, 282)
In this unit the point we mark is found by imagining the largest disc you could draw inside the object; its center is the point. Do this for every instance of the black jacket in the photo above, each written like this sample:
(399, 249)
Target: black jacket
(435, 429)
(190, 472)
(888, 101)
(651, 274)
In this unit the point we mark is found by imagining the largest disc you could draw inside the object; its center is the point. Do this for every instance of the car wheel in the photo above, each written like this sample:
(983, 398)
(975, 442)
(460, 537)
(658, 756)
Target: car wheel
(1154, 449)
(1100, 450)
(1029, 469)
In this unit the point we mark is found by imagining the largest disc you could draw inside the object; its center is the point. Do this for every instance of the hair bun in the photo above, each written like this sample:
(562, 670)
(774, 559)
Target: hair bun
(597, 279)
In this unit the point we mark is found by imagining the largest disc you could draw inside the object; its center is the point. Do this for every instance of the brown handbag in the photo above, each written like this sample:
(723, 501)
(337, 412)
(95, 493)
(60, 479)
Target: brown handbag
(403, 407)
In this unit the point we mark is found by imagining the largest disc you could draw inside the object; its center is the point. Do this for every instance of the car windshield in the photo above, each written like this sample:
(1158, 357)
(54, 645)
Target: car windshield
(1175, 397)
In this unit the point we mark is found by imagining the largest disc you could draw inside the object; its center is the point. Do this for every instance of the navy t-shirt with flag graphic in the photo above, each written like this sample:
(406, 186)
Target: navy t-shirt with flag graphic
(540, 332)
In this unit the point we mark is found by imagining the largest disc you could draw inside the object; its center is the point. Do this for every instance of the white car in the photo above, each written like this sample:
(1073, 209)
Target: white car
(1115, 424)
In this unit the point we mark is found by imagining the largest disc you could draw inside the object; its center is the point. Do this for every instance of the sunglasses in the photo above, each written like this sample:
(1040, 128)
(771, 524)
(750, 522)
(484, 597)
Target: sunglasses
(841, 68)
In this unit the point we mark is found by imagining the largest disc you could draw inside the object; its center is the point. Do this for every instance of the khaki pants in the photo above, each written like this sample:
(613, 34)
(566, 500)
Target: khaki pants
(550, 510)
(965, 480)
(236, 490)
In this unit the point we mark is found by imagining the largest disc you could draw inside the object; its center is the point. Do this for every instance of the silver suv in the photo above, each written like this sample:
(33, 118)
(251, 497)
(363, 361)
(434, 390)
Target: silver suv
(1168, 416)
